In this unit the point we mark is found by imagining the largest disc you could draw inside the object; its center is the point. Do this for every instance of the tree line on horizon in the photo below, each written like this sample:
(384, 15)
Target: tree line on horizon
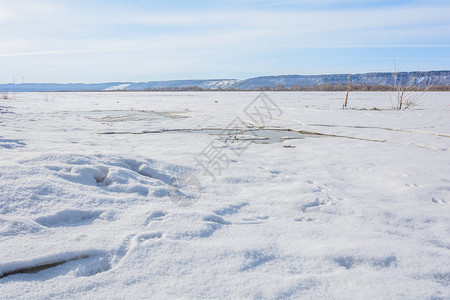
(328, 87)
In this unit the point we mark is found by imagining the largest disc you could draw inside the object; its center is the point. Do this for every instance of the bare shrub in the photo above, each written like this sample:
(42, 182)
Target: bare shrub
(5, 96)
(411, 90)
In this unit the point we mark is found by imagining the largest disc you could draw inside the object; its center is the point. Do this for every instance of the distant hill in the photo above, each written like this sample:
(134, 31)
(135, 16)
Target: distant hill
(435, 77)
(204, 84)
(56, 87)
(440, 78)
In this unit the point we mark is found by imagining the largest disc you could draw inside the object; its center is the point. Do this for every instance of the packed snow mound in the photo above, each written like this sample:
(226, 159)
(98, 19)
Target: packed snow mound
(68, 217)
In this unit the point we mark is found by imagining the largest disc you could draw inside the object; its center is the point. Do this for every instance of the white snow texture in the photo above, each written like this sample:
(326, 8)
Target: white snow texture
(359, 210)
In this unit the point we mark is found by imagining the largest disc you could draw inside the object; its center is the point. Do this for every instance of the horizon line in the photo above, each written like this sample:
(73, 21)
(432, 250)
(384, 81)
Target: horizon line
(218, 79)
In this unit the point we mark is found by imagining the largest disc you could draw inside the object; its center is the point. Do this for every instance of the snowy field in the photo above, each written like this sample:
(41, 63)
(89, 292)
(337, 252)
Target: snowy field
(355, 206)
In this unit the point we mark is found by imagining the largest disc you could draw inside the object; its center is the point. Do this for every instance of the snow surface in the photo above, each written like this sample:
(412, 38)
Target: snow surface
(214, 84)
(118, 87)
(359, 213)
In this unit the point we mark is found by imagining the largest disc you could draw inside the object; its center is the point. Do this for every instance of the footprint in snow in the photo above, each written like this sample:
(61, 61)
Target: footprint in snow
(157, 215)
(302, 219)
(211, 224)
(216, 219)
(350, 262)
(438, 201)
(312, 204)
(142, 237)
(230, 209)
(11, 143)
(256, 258)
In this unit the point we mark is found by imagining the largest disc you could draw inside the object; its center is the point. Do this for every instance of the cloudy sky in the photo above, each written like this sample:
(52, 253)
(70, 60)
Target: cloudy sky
(98, 41)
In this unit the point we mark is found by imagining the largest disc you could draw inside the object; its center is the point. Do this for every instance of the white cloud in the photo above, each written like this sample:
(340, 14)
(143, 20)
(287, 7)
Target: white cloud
(56, 34)
(38, 21)
(5, 14)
